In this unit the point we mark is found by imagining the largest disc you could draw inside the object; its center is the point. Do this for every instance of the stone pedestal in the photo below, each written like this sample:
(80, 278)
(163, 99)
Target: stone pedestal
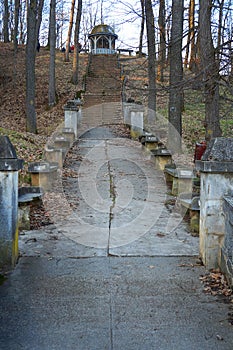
(9, 167)
(152, 142)
(53, 155)
(43, 174)
(68, 134)
(73, 115)
(61, 142)
(161, 157)
(216, 171)
(127, 107)
(136, 124)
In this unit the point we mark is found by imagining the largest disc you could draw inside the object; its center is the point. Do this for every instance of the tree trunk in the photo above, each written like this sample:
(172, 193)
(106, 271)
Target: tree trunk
(22, 16)
(15, 38)
(6, 22)
(52, 41)
(30, 68)
(162, 42)
(69, 31)
(76, 44)
(176, 77)
(39, 20)
(189, 56)
(220, 18)
(142, 28)
(151, 58)
(210, 70)
(16, 25)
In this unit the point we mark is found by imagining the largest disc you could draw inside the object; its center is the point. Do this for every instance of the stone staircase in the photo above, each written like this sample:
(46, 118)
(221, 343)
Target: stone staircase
(103, 83)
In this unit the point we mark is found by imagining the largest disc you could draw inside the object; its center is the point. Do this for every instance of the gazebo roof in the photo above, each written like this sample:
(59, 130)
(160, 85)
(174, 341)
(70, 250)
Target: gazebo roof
(103, 29)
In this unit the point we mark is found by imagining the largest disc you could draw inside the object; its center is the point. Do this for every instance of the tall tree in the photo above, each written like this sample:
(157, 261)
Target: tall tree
(210, 71)
(220, 29)
(6, 22)
(15, 38)
(39, 19)
(16, 24)
(68, 39)
(162, 41)
(30, 67)
(176, 77)
(76, 43)
(142, 28)
(52, 41)
(190, 56)
(151, 57)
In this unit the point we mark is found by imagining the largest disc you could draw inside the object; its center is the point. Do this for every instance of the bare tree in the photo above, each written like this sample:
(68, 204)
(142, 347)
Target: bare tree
(76, 43)
(190, 56)
(210, 71)
(162, 41)
(22, 26)
(16, 25)
(6, 22)
(30, 67)
(15, 38)
(69, 31)
(176, 77)
(52, 41)
(39, 20)
(142, 28)
(151, 56)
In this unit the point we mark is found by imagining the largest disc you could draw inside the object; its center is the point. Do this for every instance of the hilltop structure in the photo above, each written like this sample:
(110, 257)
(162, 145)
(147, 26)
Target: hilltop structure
(102, 40)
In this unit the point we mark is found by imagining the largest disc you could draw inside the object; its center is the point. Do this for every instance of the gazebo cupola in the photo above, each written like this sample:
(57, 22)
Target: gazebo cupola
(102, 40)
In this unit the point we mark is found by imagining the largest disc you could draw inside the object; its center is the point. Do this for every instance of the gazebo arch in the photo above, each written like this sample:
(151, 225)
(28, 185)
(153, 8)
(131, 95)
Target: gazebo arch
(102, 40)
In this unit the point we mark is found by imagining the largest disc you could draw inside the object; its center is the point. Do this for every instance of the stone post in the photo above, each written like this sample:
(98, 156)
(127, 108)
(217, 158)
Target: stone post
(9, 167)
(216, 172)
(73, 115)
(43, 174)
(127, 107)
(136, 123)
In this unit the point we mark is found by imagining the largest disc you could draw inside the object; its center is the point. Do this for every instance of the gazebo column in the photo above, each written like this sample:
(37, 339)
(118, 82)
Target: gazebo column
(110, 43)
(95, 44)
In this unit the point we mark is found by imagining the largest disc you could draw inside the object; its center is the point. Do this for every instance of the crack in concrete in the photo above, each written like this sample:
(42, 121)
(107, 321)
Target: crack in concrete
(112, 192)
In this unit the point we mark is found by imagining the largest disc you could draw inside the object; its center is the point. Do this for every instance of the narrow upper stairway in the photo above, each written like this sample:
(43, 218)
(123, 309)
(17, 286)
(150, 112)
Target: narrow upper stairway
(103, 81)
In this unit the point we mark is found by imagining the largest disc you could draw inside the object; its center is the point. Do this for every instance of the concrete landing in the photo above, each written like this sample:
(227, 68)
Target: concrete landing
(110, 303)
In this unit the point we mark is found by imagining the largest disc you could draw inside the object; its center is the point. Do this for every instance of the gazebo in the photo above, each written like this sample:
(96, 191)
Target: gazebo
(102, 40)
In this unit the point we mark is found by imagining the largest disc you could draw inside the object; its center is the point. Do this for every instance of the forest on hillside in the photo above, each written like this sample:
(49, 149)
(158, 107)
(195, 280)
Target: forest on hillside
(187, 43)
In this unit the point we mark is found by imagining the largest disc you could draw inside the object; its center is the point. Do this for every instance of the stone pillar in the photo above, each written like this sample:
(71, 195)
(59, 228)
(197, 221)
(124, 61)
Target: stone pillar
(9, 167)
(216, 172)
(136, 123)
(127, 107)
(161, 157)
(43, 174)
(73, 115)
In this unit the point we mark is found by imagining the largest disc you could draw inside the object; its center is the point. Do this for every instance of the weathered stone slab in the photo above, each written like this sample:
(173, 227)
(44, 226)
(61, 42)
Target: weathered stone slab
(219, 149)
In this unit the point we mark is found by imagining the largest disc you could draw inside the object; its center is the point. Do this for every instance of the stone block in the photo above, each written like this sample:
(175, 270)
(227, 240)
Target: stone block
(68, 134)
(53, 155)
(43, 174)
(136, 124)
(161, 158)
(152, 142)
(61, 142)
